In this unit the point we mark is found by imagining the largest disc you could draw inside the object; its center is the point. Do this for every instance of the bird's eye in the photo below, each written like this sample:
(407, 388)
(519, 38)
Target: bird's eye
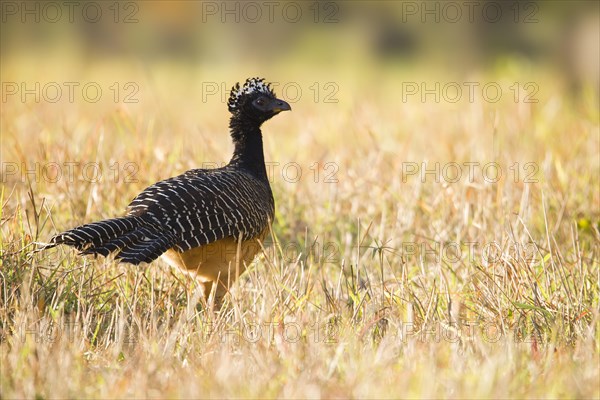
(260, 102)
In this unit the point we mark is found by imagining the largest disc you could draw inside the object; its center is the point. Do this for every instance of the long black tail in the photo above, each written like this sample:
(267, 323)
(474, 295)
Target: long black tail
(132, 239)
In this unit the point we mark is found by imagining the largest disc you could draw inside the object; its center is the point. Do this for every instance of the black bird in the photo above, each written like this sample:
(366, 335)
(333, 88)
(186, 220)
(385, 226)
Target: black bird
(204, 221)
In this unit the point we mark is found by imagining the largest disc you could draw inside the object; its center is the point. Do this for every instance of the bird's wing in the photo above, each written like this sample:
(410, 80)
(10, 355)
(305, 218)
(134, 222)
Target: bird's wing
(203, 206)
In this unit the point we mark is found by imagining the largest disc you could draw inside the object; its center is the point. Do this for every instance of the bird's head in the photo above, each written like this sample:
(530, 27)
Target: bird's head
(255, 101)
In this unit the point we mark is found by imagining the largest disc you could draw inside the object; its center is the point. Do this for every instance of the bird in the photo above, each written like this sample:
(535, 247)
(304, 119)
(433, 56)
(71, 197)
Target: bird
(206, 222)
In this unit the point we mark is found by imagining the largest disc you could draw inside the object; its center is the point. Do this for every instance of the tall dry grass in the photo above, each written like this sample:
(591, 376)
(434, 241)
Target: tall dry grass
(376, 281)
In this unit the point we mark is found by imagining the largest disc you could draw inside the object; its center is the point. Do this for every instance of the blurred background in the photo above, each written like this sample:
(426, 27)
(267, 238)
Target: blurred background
(454, 37)
(436, 80)
(363, 48)
(450, 36)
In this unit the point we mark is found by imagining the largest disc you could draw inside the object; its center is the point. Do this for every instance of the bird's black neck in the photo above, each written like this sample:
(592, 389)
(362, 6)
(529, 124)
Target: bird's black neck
(248, 150)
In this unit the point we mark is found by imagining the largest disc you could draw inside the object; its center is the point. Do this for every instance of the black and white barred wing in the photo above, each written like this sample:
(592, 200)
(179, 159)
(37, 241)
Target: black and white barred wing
(187, 211)
(133, 239)
(203, 206)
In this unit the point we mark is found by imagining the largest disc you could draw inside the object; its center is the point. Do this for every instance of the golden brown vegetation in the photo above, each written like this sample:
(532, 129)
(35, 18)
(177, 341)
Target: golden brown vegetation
(376, 281)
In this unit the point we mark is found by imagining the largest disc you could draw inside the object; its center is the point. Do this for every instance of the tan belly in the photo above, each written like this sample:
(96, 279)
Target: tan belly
(218, 261)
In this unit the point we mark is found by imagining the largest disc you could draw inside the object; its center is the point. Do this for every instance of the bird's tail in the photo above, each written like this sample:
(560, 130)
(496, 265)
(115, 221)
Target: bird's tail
(132, 239)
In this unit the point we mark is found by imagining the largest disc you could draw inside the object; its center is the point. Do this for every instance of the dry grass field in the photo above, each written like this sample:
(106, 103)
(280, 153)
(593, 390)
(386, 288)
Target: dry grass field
(421, 248)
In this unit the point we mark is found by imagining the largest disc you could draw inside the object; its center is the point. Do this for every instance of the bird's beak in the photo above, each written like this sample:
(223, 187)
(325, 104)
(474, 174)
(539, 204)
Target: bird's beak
(278, 106)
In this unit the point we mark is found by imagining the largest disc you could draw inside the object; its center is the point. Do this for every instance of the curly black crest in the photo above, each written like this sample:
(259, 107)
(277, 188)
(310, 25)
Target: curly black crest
(251, 86)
